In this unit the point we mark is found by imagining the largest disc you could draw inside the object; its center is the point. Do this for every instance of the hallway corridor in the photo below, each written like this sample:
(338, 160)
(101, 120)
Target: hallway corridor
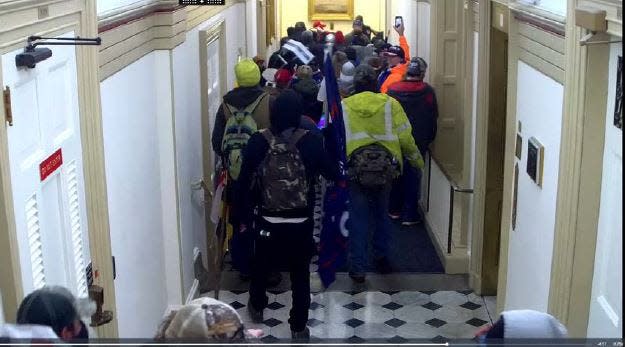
(440, 166)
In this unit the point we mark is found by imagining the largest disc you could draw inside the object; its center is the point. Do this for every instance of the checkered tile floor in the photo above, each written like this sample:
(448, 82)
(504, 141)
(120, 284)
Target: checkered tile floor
(391, 316)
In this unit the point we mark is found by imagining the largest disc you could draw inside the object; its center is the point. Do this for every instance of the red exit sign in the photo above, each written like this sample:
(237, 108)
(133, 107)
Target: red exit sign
(51, 164)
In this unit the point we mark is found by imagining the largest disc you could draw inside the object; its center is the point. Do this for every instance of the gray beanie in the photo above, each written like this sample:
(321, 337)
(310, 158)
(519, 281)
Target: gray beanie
(364, 74)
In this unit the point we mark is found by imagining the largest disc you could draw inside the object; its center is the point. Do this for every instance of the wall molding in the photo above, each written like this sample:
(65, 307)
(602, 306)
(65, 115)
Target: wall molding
(541, 40)
(132, 32)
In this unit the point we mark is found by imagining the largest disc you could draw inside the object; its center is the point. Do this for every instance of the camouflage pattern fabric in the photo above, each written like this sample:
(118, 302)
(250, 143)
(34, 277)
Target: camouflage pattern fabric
(283, 175)
(202, 320)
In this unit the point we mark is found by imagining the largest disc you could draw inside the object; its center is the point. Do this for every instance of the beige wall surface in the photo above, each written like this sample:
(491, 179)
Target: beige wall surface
(292, 11)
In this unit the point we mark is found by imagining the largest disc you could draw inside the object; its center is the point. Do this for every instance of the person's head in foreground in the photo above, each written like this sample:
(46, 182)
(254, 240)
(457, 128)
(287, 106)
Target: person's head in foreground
(204, 320)
(364, 79)
(416, 70)
(54, 307)
(523, 324)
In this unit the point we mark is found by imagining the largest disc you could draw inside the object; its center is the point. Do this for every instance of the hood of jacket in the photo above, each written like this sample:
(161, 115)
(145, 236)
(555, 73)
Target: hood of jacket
(366, 104)
(409, 88)
(243, 96)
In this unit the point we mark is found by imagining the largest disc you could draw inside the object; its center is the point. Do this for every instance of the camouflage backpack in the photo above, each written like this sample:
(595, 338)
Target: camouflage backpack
(240, 126)
(283, 175)
(373, 166)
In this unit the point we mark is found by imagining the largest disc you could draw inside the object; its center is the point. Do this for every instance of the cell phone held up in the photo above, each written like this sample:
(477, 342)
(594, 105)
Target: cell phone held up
(399, 21)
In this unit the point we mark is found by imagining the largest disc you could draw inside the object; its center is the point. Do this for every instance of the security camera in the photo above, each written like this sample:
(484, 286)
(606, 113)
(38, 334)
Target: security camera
(31, 56)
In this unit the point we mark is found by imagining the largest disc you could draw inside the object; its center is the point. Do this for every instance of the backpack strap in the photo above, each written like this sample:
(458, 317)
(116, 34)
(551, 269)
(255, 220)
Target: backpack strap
(269, 137)
(296, 137)
(248, 109)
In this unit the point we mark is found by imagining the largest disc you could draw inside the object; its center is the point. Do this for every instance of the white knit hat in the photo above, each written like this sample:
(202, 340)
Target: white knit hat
(527, 324)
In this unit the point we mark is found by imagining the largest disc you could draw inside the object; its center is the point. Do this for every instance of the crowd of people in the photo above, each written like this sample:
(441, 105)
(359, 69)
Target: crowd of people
(270, 135)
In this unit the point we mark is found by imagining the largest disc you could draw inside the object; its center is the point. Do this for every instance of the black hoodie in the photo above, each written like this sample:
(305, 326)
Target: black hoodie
(240, 98)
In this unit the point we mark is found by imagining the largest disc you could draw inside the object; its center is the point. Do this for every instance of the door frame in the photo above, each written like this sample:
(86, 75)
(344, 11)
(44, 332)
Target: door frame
(78, 16)
(580, 181)
(216, 31)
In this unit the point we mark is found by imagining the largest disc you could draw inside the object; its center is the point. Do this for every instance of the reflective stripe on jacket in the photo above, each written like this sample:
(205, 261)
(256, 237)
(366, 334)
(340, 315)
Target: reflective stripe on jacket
(377, 118)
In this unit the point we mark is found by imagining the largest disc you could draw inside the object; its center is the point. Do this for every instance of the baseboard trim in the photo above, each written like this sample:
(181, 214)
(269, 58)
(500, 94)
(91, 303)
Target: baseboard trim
(454, 263)
(193, 292)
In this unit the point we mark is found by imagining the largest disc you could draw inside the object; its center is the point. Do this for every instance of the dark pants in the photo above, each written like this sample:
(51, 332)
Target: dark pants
(287, 247)
(406, 193)
(241, 249)
(368, 207)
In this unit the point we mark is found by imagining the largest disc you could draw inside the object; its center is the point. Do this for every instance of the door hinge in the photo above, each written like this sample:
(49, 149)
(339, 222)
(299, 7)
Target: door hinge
(8, 114)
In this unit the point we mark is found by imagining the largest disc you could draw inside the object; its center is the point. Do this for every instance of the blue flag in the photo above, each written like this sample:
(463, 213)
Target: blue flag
(334, 234)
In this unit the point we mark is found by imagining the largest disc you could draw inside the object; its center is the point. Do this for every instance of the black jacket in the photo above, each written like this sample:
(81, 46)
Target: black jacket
(247, 190)
(420, 105)
(240, 98)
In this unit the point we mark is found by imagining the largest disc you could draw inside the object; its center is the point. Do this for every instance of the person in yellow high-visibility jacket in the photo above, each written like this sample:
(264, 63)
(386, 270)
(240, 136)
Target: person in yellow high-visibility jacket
(373, 118)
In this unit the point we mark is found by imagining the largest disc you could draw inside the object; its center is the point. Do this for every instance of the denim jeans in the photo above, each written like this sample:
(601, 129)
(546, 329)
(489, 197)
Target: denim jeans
(406, 192)
(368, 207)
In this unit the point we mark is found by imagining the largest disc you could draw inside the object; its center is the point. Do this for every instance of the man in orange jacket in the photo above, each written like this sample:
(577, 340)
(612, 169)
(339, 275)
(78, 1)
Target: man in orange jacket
(397, 59)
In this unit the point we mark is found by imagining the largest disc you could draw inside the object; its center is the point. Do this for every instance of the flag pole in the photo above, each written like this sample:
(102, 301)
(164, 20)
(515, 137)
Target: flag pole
(328, 53)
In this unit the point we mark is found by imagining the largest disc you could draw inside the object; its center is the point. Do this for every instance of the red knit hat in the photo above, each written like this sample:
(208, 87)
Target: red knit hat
(339, 38)
(283, 77)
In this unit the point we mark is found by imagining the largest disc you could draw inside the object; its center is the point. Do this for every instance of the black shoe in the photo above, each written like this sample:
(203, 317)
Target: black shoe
(274, 279)
(303, 335)
(358, 278)
(255, 315)
(383, 266)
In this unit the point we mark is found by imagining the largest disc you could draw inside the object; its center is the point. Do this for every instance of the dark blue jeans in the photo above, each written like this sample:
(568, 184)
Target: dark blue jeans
(406, 192)
(368, 207)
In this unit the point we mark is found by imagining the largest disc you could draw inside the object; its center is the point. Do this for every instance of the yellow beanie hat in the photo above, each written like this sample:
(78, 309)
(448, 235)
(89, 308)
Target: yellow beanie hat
(247, 73)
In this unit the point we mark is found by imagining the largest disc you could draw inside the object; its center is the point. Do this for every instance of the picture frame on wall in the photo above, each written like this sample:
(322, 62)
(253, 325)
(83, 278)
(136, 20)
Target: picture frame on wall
(329, 10)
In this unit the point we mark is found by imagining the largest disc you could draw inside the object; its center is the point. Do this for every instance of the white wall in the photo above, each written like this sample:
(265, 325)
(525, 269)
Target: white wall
(423, 32)
(131, 149)
(539, 108)
(186, 63)
(438, 215)
(251, 27)
(1, 310)
(409, 12)
(111, 6)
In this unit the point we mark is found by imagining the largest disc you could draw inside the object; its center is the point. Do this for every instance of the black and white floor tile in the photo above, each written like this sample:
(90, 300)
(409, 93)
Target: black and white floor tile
(392, 316)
